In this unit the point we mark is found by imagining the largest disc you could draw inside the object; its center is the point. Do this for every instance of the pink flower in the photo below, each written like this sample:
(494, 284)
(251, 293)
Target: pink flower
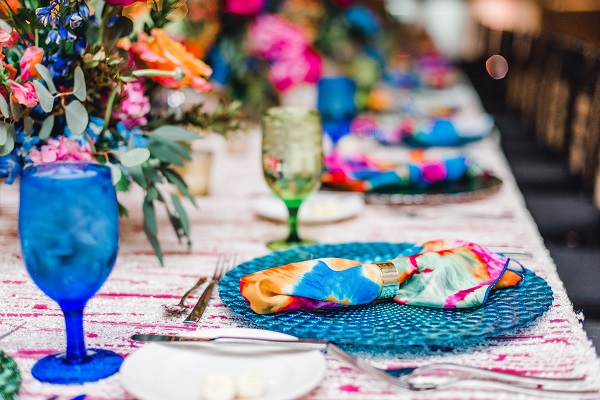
(287, 48)
(8, 38)
(243, 7)
(24, 94)
(289, 72)
(63, 149)
(135, 106)
(274, 38)
(434, 172)
(32, 56)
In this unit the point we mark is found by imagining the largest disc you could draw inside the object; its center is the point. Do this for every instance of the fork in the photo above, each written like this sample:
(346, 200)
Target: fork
(224, 263)
(562, 390)
(182, 305)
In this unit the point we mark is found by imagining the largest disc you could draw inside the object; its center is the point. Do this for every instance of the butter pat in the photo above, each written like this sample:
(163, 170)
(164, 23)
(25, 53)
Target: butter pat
(218, 385)
(251, 384)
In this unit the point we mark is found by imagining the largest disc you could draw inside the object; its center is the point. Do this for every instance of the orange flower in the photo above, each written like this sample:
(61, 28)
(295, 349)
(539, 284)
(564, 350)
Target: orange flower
(32, 56)
(159, 51)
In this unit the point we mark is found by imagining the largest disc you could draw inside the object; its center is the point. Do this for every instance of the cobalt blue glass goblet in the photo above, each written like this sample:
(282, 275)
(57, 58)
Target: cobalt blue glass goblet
(336, 103)
(69, 231)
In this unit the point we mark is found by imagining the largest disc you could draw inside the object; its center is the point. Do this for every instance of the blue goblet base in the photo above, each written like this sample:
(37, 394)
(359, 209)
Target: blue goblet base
(56, 368)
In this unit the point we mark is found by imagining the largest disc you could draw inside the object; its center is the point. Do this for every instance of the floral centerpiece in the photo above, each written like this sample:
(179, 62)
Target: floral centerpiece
(76, 83)
(265, 49)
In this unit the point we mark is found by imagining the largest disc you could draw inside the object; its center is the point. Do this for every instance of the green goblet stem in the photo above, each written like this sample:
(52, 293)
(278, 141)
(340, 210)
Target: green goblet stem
(293, 221)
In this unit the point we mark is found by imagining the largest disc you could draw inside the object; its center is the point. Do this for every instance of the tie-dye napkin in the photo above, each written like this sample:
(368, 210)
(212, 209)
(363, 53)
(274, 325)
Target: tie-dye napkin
(441, 274)
(361, 173)
(449, 131)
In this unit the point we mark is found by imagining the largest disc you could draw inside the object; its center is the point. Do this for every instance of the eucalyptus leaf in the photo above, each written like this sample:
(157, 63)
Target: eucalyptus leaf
(150, 228)
(47, 77)
(3, 133)
(45, 98)
(164, 153)
(77, 117)
(176, 224)
(179, 150)
(174, 178)
(28, 125)
(134, 157)
(79, 89)
(153, 194)
(8, 146)
(4, 107)
(174, 133)
(5, 25)
(151, 174)
(137, 175)
(185, 224)
(46, 129)
(150, 215)
(115, 172)
(15, 110)
(123, 184)
(155, 244)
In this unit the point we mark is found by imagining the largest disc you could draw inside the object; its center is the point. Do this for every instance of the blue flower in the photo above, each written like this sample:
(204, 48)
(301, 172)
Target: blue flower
(82, 10)
(64, 34)
(10, 166)
(44, 14)
(135, 135)
(73, 20)
(27, 142)
(57, 64)
(52, 37)
(80, 45)
(221, 68)
(363, 19)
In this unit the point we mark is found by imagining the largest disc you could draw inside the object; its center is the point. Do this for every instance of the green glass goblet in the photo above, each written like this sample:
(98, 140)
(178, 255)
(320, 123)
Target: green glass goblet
(292, 161)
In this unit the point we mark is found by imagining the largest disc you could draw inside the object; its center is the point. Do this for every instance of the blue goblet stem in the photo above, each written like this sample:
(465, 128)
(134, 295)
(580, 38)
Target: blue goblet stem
(75, 339)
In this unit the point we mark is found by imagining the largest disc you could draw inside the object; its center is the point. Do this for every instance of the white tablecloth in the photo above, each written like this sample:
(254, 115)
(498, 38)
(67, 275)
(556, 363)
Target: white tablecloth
(132, 298)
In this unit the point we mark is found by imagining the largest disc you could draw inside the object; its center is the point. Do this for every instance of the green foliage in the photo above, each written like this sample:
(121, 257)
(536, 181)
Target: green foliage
(4, 107)
(77, 117)
(79, 88)
(134, 157)
(46, 128)
(47, 77)
(44, 96)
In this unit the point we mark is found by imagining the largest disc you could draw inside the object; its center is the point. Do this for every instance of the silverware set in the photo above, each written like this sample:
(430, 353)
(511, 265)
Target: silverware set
(224, 264)
(426, 378)
(445, 376)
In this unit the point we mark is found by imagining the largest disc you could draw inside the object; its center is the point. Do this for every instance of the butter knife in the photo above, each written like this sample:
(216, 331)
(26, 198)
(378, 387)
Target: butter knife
(297, 344)
(485, 378)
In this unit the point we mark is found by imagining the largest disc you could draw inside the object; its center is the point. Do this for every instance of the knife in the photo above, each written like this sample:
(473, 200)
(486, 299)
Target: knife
(297, 344)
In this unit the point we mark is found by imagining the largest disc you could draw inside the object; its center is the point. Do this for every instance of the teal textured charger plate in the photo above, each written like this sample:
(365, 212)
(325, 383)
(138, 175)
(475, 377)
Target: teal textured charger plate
(10, 379)
(386, 324)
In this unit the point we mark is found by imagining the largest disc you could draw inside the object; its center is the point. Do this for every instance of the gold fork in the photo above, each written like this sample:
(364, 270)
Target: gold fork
(224, 263)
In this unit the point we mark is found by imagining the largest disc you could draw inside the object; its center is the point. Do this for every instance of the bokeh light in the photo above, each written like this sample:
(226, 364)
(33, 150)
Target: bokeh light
(497, 66)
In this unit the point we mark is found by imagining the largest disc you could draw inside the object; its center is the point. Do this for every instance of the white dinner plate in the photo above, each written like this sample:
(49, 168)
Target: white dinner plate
(175, 371)
(319, 208)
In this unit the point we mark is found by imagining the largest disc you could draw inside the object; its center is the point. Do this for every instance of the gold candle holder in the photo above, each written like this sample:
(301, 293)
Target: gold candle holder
(197, 172)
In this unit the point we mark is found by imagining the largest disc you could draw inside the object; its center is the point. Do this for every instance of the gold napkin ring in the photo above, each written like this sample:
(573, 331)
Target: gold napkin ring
(389, 276)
